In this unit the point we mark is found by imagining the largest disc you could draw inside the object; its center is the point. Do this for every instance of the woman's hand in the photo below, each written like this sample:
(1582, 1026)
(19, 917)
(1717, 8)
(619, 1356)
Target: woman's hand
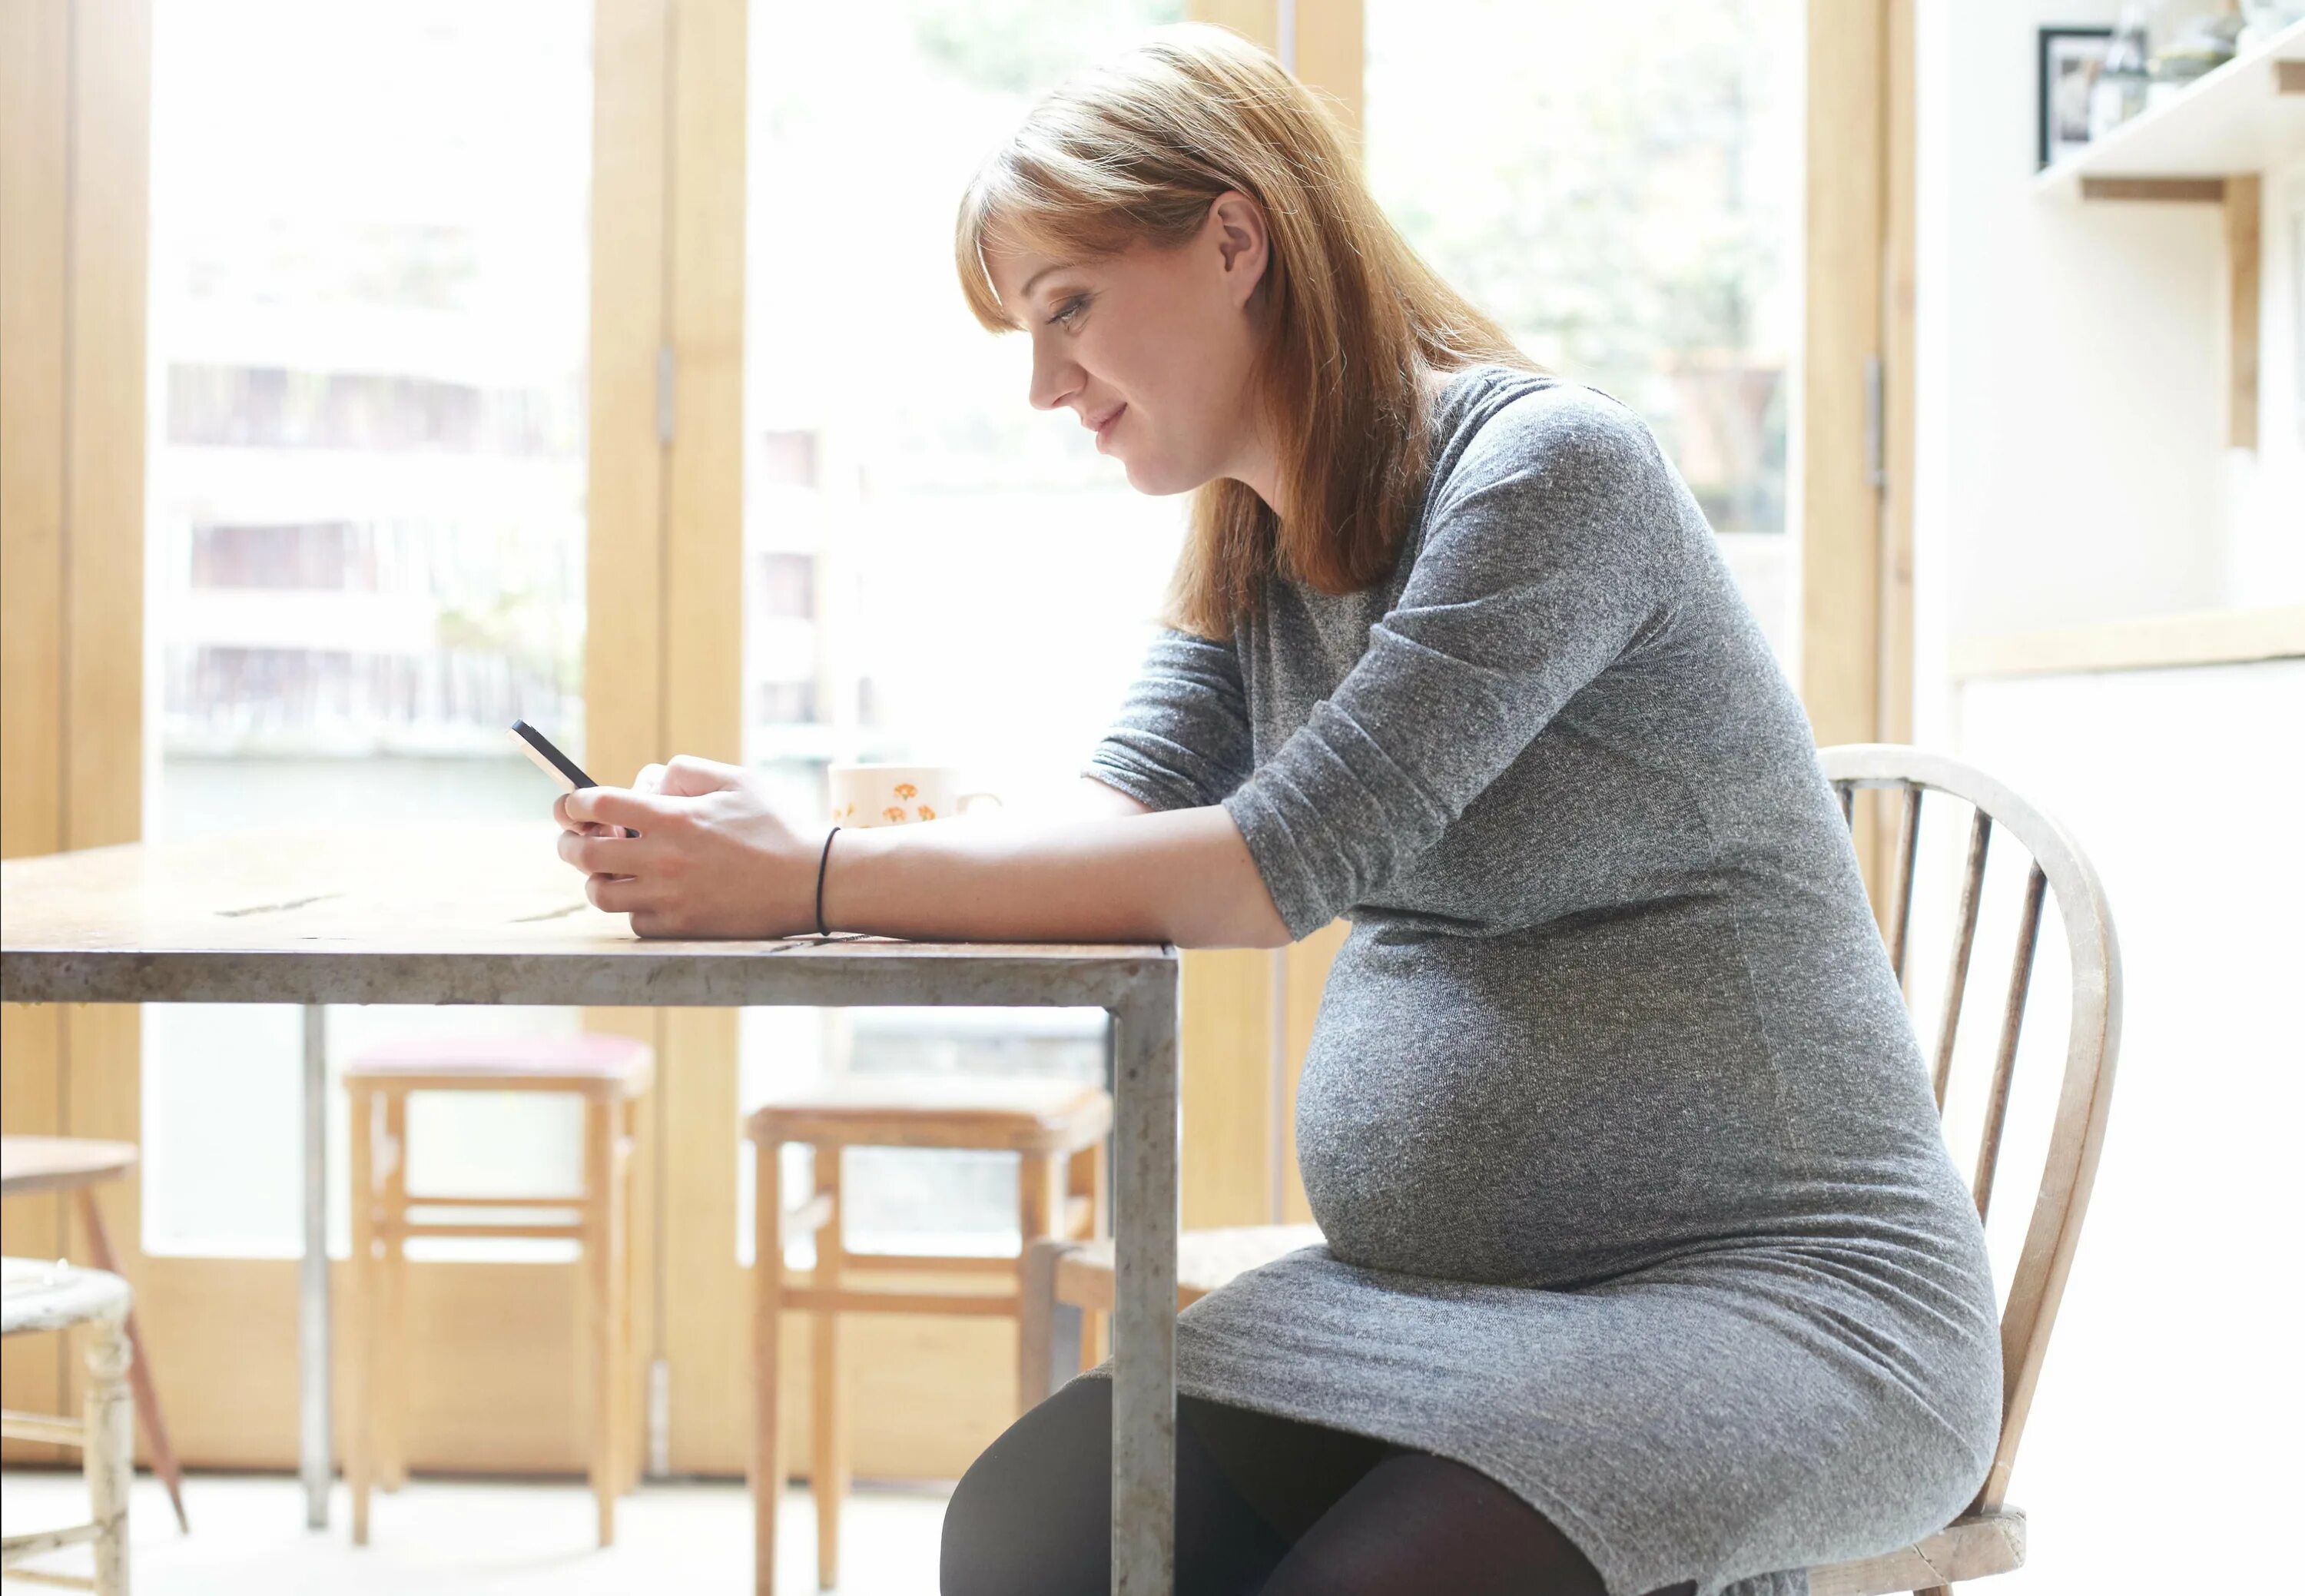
(711, 859)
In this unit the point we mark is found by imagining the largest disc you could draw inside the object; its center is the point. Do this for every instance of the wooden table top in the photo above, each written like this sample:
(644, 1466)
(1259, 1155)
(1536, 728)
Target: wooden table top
(474, 914)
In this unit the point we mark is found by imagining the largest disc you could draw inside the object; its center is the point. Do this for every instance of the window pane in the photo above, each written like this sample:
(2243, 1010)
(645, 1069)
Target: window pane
(368, 313)
(934, 571)
(1621, 186)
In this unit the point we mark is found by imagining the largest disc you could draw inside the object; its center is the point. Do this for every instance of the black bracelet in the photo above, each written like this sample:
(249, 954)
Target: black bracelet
(827, 854)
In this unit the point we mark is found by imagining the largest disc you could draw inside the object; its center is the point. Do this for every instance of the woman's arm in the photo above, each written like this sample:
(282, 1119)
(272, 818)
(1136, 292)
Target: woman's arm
(1178, 875)
(714, 859)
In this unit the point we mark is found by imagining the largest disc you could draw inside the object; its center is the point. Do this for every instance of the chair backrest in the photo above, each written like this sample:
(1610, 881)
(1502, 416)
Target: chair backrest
(2060, 870)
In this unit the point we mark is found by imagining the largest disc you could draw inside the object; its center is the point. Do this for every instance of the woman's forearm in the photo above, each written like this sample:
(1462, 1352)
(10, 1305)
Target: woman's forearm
(1180, 875)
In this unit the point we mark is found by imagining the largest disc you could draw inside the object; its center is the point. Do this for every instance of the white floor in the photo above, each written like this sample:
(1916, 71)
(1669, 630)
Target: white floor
(462, 1538)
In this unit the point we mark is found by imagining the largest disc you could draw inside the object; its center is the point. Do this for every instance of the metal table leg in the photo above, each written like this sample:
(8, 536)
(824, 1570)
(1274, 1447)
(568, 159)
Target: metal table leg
(1145, 1221)
(313, 1462)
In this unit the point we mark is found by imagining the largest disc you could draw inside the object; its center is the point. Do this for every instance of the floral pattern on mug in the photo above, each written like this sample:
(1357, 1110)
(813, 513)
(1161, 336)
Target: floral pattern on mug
(892, 813)
(906, 789)
(927, 813)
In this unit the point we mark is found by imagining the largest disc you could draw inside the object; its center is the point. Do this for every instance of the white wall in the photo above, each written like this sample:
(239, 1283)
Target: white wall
(2082, 415)
(2070, 448)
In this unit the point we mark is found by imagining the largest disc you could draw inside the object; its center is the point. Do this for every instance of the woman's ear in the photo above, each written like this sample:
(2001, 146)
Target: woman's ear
(1243, 246)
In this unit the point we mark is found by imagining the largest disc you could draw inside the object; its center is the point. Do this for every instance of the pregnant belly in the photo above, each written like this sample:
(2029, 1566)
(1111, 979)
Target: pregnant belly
(1537, 1111)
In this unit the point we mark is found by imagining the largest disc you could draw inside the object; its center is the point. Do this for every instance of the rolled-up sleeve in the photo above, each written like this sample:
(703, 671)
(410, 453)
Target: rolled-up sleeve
(1181, 740)
(1550, 547)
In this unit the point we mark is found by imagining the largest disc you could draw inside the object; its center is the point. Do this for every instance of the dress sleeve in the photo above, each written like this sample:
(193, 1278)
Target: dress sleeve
(1549, 549)
(1181, 740)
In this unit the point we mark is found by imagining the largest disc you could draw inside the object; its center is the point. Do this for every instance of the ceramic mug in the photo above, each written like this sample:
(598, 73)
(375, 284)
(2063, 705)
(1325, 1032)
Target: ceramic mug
(869, 794)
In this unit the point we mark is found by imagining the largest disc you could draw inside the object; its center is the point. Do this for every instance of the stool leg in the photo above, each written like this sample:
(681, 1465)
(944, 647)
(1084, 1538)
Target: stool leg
(829, 1473)
(359, 1322)
(1096, 1327)
(1088, 1180)
(107, 1456)
(600, 1270)
(139, 1368)
(1040, 1201)
(765, 1457)
(629, 1285)
(392, 1323)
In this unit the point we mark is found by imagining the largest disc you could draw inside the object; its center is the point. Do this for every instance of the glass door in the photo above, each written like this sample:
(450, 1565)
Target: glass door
(368, 292)
(933, 571)
(1622, 187)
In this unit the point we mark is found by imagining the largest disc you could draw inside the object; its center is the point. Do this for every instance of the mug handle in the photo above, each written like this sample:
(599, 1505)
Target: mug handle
(962, 799)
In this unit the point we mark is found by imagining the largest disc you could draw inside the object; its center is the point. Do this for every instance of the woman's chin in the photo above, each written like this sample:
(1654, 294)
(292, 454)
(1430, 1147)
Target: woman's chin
(1149, 479)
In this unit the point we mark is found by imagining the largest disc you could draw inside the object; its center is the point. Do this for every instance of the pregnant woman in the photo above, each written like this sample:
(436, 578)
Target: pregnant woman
(1645, 1267)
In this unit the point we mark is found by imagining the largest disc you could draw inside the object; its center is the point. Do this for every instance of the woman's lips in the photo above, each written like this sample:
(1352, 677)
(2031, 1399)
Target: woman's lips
(1104, 428)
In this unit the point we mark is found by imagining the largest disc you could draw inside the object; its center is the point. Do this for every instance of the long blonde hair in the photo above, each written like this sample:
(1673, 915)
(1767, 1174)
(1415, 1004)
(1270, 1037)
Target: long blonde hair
(1137, 150)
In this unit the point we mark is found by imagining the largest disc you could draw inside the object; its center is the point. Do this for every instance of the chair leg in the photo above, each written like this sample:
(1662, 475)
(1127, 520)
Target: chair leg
(829, 1470)
(139, 1368)
(1048, 1332)
(764, 1458)
(390, 1315)
(359, 1320)
(600, 1263)
(108, 1455)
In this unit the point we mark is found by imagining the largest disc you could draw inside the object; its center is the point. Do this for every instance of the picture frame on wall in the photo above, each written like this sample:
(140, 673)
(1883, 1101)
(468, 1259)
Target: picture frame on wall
(2069, 58)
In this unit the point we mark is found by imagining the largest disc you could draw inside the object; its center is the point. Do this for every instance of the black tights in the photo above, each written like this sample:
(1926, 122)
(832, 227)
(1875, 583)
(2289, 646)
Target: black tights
(1264, 1505)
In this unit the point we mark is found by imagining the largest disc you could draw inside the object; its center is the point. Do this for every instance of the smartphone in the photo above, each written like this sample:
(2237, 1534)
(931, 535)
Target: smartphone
(553, 763)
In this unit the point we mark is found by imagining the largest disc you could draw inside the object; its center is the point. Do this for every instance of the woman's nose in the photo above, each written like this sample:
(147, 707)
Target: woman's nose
(1055, 380)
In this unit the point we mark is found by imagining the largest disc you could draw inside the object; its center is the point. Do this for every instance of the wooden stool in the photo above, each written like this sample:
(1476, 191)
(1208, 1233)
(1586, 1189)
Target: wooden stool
(36, 1296)
(610, 1072)
(1058, 1129)
(75, 1164)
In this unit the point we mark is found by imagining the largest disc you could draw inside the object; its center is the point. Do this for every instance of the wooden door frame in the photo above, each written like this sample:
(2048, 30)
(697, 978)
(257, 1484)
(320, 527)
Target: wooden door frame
(74, 110)
(1857, 397)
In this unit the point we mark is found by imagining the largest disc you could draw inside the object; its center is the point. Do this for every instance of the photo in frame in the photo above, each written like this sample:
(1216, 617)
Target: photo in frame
(2069, 60)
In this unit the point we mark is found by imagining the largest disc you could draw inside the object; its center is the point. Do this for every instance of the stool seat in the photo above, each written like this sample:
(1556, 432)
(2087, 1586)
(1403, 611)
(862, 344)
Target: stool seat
(592, 1062)
(36, 1296)
(1000, 1113)
(60, 1163)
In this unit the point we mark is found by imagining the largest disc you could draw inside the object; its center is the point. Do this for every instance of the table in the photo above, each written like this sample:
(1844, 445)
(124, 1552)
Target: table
(489, 915)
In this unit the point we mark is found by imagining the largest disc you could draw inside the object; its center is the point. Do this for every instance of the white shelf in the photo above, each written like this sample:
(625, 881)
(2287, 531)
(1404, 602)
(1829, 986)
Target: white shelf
(2234, 119)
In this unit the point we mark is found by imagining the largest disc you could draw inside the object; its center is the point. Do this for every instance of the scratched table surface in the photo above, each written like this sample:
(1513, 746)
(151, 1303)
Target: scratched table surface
(475, 914)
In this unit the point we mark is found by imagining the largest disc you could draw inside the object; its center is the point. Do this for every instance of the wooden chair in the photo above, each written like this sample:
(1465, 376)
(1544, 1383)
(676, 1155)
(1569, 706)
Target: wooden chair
(76, 1165)
(1058, 1129)
(35, 1297)
(609, 1074)
(1064, 1277)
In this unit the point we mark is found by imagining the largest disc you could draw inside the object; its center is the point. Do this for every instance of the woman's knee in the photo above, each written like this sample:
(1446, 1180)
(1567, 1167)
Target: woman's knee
(1033, 1516)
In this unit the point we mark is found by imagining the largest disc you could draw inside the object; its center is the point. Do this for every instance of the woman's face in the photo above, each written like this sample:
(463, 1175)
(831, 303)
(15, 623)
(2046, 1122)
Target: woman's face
(1152, 348)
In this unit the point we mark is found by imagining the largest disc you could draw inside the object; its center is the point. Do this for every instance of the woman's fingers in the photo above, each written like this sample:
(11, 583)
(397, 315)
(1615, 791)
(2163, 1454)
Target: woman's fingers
(615, 896)
(608, 852)
(649, 779)
(689, 776)
(621, 806)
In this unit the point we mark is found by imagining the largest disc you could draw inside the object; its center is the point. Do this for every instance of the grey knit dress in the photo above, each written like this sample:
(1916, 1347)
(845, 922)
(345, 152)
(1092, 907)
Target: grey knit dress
(1634, 1193)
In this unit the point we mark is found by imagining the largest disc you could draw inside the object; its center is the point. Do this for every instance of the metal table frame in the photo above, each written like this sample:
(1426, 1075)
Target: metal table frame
(1137, 985)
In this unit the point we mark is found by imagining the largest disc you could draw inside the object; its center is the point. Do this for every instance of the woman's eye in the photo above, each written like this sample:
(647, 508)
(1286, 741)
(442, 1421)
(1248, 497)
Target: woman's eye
(1070, 309)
